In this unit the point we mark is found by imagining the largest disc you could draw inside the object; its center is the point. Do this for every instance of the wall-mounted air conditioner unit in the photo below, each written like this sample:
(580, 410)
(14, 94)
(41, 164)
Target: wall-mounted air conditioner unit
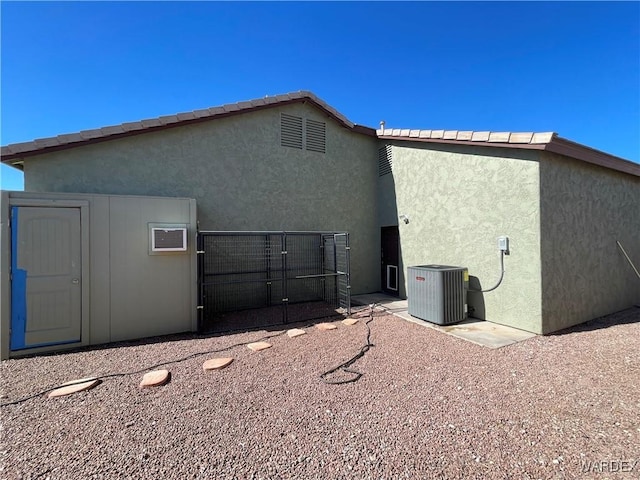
(438, 293)
(168, 239)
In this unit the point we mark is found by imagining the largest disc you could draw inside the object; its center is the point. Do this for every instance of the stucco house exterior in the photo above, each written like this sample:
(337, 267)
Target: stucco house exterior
(292, 162)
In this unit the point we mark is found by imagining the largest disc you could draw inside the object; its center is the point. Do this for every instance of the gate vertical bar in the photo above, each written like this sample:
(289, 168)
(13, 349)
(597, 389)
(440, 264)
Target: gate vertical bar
(335, 266)
(285, 298)
(343, 270)
(200, 276)
(348, 256)
(267, 252)
(322, 268)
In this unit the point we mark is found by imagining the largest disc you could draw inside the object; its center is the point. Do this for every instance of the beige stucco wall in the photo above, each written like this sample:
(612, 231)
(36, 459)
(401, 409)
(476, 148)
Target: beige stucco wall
(584, 210)
(240, 176)
(459, 201)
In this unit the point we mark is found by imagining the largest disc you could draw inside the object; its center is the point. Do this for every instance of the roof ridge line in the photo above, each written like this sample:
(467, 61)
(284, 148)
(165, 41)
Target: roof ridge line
(109, 132)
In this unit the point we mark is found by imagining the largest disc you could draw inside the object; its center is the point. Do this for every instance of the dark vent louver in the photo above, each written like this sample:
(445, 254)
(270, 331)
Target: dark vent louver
(316, 136)
(291, 131)
(385, 161)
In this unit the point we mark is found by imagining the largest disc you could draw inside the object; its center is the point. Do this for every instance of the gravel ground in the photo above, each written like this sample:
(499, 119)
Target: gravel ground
(428, 405)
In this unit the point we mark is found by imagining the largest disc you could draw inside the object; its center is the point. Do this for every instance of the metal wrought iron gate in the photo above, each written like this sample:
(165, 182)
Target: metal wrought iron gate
(249, 270)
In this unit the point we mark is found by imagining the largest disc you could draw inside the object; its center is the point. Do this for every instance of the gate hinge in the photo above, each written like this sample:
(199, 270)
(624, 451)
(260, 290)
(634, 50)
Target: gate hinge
(284, 252)
(347, 248)
(200, 252)
(285, 299)
(200, 307)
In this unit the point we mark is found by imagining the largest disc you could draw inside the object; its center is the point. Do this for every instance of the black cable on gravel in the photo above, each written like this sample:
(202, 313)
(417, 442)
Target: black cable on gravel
(344, 367)
(198, 354)
(151, 367)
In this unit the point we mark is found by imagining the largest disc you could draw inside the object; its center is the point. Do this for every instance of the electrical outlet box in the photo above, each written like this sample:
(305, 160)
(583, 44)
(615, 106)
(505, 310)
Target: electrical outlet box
(503, 244)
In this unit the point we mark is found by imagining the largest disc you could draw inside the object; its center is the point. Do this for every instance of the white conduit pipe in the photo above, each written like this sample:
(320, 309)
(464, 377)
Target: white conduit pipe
(628, 259)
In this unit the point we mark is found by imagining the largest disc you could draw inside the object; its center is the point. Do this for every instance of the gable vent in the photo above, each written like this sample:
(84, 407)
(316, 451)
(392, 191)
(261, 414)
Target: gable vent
(290, 131)
(385, 161)
(316, 136)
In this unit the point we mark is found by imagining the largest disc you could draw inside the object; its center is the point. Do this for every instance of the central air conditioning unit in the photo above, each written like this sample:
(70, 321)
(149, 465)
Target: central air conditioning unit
(438, 293)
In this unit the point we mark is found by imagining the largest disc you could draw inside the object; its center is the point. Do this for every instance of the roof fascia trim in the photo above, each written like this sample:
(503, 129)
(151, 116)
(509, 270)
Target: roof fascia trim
(565, 147)
(88, 137)
(526, 146)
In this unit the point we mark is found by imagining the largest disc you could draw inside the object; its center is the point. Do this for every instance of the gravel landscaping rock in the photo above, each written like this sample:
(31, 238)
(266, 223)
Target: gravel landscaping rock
(428, 405)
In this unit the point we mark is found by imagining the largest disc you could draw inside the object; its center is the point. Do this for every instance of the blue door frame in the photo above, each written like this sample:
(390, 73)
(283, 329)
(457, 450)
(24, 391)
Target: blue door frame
(18, 290)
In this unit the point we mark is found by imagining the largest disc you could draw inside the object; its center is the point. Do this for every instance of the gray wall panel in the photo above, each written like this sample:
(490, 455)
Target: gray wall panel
(100, 307)
(150, 294)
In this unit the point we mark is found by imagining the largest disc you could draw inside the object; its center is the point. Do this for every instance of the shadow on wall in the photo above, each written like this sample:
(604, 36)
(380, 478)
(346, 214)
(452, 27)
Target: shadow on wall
(475, 300)
(389, 217)
(630, 315)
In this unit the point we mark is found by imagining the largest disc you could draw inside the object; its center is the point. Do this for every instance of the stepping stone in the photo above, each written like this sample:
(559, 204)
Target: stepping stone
(155, 378)
(295, 332)
(80, 385)
(326, 326)
(350, 321)
(216, 363)
(257, 346)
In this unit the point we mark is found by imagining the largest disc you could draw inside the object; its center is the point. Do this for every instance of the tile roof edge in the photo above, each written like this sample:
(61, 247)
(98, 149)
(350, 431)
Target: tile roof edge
(475, 136)
(484, 142)
(545, 141)
(110, 132)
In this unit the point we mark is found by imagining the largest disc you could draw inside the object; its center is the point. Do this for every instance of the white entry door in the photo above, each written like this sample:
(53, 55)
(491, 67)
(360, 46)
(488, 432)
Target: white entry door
(46, 281)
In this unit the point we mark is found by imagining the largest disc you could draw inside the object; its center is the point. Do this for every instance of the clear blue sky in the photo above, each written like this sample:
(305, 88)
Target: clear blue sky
(572, 68)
